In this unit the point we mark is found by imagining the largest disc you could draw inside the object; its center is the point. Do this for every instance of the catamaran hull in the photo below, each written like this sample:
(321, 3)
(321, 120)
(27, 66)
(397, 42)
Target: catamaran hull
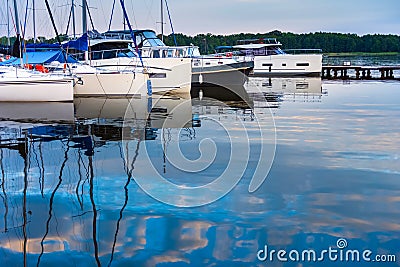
(111, 84)
(167, 75)
(222, 75)
(47, 89)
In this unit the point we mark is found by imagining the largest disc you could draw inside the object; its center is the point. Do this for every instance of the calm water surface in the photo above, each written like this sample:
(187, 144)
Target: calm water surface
(69, 195)
(379, 60)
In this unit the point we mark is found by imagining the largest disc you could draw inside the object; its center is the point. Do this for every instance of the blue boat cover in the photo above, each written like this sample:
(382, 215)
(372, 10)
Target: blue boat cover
(39, 57)
(32, 47)
(81, 44)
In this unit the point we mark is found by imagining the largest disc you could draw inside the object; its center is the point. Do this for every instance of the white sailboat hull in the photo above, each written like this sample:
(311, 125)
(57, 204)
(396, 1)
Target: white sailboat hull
(36, 89)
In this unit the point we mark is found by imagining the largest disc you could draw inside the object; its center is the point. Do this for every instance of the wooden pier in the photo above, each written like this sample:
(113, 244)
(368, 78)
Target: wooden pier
(361, 72)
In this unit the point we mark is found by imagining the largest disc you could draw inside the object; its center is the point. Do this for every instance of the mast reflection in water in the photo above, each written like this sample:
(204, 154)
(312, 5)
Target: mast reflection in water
(69, 196)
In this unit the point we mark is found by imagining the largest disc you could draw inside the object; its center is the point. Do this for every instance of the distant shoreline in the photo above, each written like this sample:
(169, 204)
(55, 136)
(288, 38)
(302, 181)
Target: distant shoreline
(351, 54)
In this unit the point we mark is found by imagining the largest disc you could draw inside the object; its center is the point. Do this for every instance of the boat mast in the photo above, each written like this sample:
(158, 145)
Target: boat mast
(73, 18)
(16, 18)
(84, 26)
(170, 22)
(162, 22)
(34, 21)
(55, 30)
(8, 24)
(18, 32)
(84, 17)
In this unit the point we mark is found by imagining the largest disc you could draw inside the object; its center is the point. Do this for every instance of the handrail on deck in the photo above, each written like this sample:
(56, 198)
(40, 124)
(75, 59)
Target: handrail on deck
(303, 51)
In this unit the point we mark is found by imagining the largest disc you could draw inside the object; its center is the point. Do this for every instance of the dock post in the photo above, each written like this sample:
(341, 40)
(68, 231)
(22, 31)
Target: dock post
(360, 72)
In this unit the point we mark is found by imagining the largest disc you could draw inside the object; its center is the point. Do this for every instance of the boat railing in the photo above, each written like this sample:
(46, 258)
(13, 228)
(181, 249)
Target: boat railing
(105, 54)
(168, 51)
(146, 52)
(115, 35)
(258, 41)
(303, 51)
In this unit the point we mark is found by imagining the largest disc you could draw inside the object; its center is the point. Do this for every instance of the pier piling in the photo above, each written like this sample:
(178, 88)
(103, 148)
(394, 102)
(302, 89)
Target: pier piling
(361, 72)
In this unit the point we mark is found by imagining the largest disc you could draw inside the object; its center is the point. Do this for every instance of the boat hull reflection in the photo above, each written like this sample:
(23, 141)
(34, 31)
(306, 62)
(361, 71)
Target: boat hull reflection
(37, 112)
(292, 85)
(154, 112)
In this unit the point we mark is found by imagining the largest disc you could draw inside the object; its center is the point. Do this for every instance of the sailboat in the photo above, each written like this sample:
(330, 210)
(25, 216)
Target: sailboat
(113, 52)
(204, 68)
(18, 84)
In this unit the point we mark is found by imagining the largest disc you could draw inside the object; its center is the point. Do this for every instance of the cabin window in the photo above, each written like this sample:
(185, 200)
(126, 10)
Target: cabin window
(170, 53)
(267, 64)
(159, 110)
(260, 52)
(158, 75)
(109, 54)
(139, 40)
(179, 53)
(156, 53)
(303, 64)
(301, 86)
(283, 64)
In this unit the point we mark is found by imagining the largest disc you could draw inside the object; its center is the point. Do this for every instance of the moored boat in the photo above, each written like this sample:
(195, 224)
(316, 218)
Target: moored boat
(114, 51)
(20, 85)
(269, 59)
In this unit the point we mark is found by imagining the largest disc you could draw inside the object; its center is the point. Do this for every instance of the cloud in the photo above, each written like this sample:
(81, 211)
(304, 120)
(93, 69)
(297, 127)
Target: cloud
(227, 16)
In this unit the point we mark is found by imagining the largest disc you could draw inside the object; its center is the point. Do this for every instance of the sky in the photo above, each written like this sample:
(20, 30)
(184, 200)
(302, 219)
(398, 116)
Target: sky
(192, 17)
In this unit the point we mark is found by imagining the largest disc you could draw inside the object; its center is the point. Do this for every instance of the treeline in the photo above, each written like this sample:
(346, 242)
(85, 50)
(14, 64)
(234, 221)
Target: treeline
(41, 39)
(328, 42)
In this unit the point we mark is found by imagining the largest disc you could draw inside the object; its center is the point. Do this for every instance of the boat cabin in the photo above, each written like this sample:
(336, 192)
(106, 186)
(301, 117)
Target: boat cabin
(143, 37)
(114, 44)
(253, 47)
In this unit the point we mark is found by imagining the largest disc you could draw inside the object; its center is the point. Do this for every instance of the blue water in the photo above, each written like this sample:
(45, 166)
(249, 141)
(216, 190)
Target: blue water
(335, 174)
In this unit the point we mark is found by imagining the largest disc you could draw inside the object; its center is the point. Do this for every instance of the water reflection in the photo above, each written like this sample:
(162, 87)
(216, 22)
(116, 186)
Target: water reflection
(40, 112)
(68, 195)
(276, 90)
(58, 154)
